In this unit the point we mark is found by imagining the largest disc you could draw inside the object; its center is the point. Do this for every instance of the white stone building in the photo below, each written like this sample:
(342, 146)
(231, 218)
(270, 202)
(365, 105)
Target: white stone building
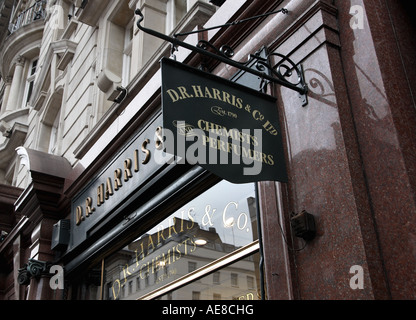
(61, 64)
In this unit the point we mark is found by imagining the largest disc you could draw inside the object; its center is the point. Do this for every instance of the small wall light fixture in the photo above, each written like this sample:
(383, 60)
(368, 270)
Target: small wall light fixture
(303, 225)
(118, 95)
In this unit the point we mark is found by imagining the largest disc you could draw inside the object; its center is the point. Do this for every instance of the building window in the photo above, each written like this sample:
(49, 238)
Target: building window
(196, 295)
(176, 10)
(250, 282)
(53, 143)
(128, 38)
(130, 287)
(216, 276)
(137, 283)
(234, 279)
(115, 61)
(49, 133)
(30, 81)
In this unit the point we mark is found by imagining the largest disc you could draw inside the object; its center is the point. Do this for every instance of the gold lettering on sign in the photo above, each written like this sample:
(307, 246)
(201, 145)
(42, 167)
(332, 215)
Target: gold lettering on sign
(247, 296)
(155, 252)
(79, 216)
(108, 189)
(89, 209)
(136, 160)
(127, 170)
(204, 92)
(100, 195)
(198, 92)
(144, 268)
(146, 151)
(159, 138)
(117, 179)
(131, 166)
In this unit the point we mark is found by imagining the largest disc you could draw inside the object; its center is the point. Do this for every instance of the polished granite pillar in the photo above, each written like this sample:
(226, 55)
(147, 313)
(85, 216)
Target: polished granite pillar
(351, 154)
(379, 69)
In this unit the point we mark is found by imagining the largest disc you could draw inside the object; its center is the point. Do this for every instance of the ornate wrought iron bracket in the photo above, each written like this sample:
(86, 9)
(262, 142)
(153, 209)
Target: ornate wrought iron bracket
(282, 73)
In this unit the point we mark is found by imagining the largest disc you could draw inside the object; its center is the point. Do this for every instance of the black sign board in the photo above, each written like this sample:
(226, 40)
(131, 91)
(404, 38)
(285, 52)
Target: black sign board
(228, 129)
(124, 176)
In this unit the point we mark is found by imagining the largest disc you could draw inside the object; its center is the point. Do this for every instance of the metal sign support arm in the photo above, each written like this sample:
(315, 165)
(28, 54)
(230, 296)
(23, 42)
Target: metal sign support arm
(279, 72)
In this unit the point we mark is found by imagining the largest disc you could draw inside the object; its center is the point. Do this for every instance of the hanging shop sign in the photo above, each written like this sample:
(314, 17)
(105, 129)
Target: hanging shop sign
(228, 129)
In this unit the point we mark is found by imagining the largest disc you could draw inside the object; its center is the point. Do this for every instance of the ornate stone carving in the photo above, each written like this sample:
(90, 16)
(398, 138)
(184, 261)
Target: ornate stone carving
(32, 269)
(24, 277)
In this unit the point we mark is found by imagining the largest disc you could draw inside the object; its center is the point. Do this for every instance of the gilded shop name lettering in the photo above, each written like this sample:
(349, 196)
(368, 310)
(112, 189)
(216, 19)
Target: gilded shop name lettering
(114, 183)
(197, 92)
(146, 266)
(230, 129)
(156, 254)
(217, 143)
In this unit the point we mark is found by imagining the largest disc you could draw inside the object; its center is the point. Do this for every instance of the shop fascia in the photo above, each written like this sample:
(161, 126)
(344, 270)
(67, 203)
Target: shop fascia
(243, 145)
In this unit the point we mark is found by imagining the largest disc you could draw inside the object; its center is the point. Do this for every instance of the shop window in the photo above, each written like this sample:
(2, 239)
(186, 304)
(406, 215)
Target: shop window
(188, 254)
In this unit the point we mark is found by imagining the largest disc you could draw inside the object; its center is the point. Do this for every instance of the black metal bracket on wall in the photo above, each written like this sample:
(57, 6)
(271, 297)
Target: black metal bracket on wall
(280, 73)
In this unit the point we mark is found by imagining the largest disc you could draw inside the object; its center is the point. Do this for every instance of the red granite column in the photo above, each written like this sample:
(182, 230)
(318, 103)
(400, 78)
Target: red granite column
(325, 175)
(40, 249)
(379, 67)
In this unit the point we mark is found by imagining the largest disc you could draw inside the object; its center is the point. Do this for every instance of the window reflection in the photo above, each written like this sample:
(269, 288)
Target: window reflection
(214, 224)
(239, 281)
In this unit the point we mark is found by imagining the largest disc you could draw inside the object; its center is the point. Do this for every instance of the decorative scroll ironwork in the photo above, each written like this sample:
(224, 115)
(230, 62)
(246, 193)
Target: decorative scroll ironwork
(281, 73)
(225, 51)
